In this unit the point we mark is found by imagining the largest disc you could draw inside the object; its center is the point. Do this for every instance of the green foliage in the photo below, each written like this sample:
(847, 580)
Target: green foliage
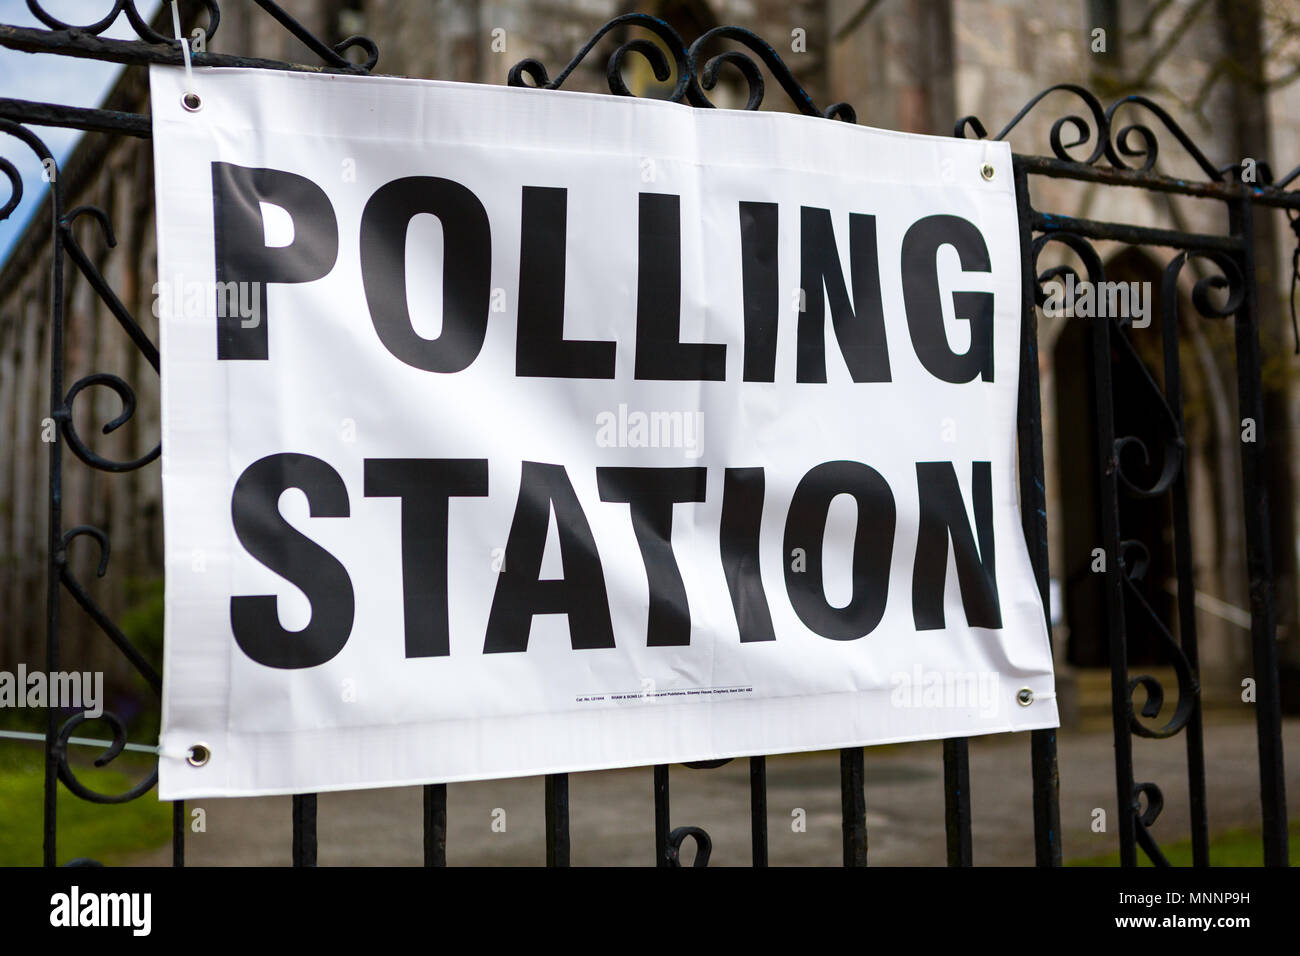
(142, 624)
(142, 621)
(1229, 848)
(105, 832)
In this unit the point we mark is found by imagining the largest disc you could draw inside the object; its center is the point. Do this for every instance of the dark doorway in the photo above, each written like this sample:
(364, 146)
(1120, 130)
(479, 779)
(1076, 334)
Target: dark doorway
(1138, 413)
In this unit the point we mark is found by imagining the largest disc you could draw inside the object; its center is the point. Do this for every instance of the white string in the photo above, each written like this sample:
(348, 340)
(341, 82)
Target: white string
(80, 741)
(989, 154)
(185, 51)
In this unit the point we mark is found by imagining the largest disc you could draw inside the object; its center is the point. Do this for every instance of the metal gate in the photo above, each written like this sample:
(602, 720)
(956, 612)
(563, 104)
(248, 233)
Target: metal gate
(1118, 156)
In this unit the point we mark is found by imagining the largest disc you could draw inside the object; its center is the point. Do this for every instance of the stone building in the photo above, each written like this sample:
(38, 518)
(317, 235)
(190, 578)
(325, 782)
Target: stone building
(914, 66)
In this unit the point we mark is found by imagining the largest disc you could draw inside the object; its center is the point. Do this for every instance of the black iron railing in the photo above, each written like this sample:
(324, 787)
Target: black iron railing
(1115, 156)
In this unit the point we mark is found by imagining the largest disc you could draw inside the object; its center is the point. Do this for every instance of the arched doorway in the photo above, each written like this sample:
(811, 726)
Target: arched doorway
(1138, 413)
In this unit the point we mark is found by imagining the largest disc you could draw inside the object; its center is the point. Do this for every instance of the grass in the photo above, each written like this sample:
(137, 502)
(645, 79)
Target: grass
(1229, 848)
(105, 832)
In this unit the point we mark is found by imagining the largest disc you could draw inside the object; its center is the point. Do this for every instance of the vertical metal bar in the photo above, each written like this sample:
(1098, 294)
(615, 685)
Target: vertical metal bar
(178, 833)
(758, 809)
(1033, 517)
(853, 806)
(435, 824)
(1183, 567)
(1187, 634)
(557, 819)
(54, 539)
(1259, 562)
(1047, 793)
(304, 829)
(956, 800)
(661, 815)
(1108, 495)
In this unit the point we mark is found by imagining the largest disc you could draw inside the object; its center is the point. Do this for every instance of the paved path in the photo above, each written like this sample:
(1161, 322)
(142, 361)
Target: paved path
(612, 812)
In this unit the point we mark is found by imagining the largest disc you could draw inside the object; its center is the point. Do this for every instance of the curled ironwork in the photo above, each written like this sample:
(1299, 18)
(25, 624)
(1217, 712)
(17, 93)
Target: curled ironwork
(113, 382)
(1215, 296)
(79, 447)
(332, 55)
(15, 188)
(693, 79)
(110, 753)
(535, 70)
(96, 613)
(89, 36)
(703, 846)
(1148, 148)
(1218, 293)
(706, 78)
(128, 650)
(1097, 132)
(1131, 147)
(1145, 817)
(63, 241)
(1173, 445)
(138, 23)
(1093, 270)
(1135, 569)
(1227, 280)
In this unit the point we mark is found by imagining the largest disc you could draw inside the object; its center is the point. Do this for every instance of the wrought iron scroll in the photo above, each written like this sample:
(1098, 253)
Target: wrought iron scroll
(60, 542)
(1128, 155)
(693, 78)
(86, 40)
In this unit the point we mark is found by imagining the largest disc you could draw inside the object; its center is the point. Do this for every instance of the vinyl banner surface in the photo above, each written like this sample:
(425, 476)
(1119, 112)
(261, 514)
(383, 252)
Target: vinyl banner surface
(509, 432)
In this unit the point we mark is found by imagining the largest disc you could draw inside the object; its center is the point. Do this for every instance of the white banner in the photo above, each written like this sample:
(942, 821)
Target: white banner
(509, 432)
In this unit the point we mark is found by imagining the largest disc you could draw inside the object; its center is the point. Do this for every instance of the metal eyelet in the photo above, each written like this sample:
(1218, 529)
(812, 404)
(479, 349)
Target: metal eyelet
(987, 170)
(1024, 697)
(191, 102)
(198, 755)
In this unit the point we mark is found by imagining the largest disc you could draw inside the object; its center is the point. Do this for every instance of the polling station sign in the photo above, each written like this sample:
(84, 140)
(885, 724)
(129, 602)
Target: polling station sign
(509, 432)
